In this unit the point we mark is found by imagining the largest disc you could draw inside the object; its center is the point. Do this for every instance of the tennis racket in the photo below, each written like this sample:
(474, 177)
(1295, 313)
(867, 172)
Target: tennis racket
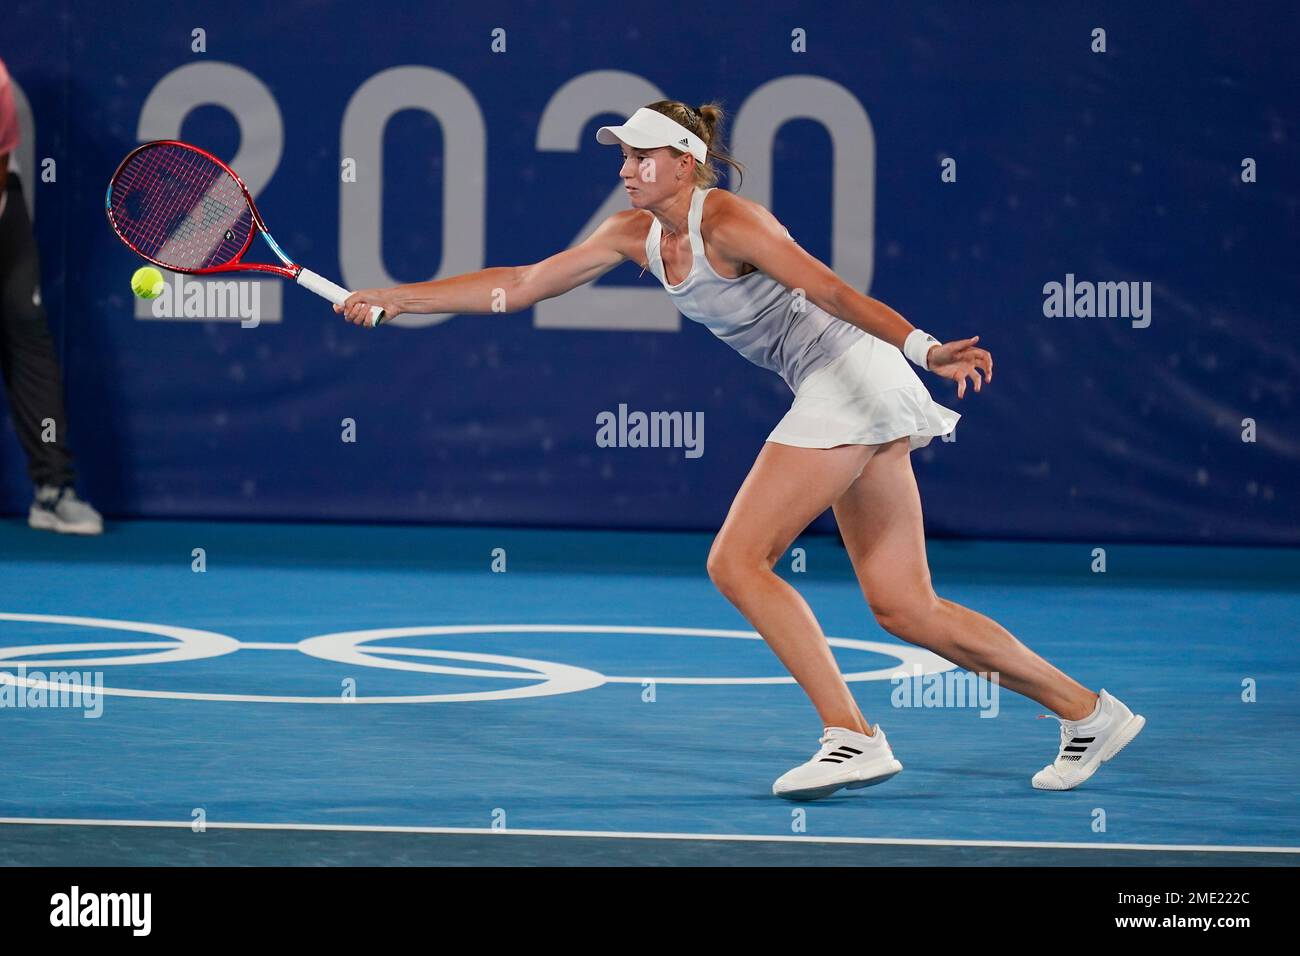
(185, 210)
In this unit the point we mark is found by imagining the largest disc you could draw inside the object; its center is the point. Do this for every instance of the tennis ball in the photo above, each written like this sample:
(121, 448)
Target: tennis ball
(147, 282)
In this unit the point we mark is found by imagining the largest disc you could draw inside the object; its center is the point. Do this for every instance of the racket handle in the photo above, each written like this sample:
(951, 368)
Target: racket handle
(335, 293)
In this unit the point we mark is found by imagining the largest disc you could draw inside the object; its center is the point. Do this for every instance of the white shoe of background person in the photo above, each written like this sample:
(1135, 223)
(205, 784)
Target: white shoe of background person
(59, 509)
(1088, 743)
(847, 759)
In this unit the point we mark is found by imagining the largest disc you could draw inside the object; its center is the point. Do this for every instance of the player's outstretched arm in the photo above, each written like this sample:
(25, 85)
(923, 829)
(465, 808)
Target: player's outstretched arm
(502, 288)
(746, 232)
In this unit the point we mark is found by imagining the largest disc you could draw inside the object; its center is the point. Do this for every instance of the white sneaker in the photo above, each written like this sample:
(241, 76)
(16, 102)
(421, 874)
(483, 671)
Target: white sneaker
(59, 509)
(847, 759)
(1087, 744)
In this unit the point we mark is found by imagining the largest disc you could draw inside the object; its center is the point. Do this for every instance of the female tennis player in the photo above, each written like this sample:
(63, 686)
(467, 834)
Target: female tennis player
(858, 412)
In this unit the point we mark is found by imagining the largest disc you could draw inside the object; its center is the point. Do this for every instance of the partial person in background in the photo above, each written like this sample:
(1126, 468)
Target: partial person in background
(33, 382)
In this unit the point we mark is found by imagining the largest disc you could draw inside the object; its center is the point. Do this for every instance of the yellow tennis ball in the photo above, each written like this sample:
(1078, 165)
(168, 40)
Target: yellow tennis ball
(147, 282)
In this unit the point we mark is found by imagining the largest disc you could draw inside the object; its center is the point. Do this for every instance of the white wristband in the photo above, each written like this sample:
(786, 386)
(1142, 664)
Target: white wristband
(917, 346)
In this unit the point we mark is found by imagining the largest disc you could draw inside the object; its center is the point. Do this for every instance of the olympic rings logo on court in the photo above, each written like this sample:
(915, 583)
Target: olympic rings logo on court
(537, 678)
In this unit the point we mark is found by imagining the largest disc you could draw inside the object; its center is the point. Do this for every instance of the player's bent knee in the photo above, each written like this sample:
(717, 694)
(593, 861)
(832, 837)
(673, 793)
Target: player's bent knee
(728, 570)
(721, 572)
(907, 618)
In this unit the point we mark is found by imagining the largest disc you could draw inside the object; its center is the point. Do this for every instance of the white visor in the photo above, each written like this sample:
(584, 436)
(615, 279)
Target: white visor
(648, 129)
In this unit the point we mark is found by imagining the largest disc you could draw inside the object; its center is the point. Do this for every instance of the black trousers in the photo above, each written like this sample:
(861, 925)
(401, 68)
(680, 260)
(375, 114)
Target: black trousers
(33, 382)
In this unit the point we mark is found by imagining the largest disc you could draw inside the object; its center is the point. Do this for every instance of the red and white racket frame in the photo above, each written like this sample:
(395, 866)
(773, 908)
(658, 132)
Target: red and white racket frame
(304, 277)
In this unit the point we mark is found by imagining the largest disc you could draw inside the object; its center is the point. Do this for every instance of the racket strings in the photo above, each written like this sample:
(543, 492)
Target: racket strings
(180, 208)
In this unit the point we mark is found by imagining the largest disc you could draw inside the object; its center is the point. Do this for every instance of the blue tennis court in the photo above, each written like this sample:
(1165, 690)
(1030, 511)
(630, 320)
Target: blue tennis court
(381, 694)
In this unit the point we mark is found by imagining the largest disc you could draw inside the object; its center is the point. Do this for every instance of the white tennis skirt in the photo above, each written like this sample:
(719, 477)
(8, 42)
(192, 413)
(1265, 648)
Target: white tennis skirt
(867, 395)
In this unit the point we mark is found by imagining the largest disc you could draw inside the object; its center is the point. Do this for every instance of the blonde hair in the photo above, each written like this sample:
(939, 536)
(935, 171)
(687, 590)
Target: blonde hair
(706, 123)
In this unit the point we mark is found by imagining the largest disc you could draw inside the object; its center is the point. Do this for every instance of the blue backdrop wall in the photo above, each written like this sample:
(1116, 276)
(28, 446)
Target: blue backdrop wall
(472, 131)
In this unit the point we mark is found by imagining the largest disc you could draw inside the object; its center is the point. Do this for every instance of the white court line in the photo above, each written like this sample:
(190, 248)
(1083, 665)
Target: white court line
(632, 835)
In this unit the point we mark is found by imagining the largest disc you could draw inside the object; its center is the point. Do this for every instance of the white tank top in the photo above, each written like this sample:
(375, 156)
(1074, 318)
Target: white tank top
(754, 313)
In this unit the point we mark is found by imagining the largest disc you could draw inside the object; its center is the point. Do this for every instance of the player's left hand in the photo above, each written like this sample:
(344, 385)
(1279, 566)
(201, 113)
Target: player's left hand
(356, 308)
(960, 358)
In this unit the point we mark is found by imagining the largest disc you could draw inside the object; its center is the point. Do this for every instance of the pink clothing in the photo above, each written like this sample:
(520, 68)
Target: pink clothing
(8, 114)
